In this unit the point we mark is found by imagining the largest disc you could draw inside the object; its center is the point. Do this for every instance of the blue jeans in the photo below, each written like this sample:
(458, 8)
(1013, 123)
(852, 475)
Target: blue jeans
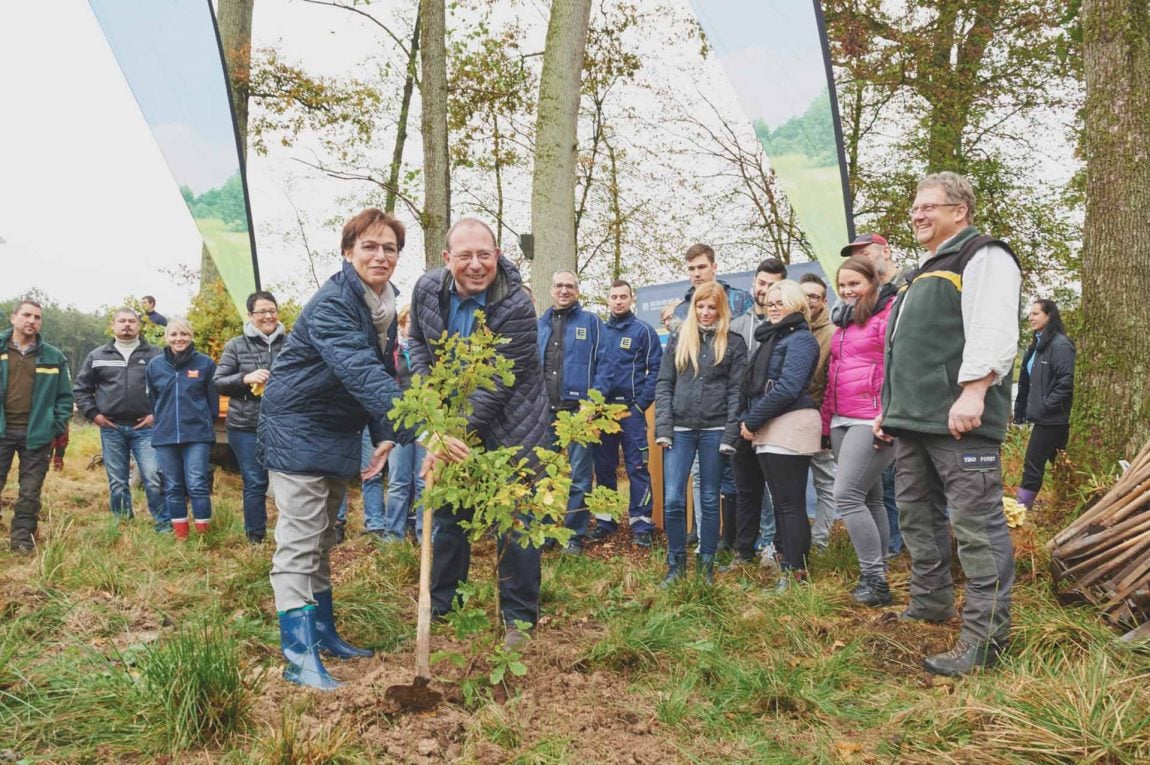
(374, 511)
(119, 444)
(633, 440)
(186, 476)
(582, 473)
(405, 485)
(255, 475)
(676, 470)
(891, 509)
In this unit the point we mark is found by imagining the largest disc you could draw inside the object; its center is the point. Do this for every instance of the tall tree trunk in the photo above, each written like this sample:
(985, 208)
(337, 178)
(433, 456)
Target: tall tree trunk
(235, 21)
(436, 162)
(234, 18)
(401, 127)
(1111, 417)
(556, 143)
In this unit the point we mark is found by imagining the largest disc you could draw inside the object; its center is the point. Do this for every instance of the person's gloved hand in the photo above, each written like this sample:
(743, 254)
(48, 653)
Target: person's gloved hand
(58, 446)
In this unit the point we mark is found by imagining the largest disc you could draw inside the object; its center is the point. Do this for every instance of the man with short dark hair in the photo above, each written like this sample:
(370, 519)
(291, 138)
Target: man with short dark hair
(111, 392)
(569, 347)
(150, 312)
(35, 406)
(478, 278)
(951, 343)
(626, 375)
(823, 461)
(702, 268)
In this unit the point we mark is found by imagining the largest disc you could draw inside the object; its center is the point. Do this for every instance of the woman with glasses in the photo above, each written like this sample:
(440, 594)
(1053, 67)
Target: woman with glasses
(242, 373)
(696, 409)
(850, 405)
(778, 416)
(334, 377)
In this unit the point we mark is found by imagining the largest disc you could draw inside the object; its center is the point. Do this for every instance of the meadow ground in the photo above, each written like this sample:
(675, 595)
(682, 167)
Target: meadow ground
(118, 645)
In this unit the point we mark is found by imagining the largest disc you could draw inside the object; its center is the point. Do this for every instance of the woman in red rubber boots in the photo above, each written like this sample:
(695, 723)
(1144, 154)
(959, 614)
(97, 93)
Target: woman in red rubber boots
(184, 406)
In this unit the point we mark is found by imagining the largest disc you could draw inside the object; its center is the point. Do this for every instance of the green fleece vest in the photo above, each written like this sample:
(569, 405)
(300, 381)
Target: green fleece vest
(51, 393)
(924, 344)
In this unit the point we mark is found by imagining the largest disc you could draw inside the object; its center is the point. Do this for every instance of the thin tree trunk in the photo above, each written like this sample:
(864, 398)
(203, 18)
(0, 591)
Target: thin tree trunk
(235, 22)
(436, 162)
(401, 128)
(234, 18)
(556, 142)
(1111, 418)
(496, 153)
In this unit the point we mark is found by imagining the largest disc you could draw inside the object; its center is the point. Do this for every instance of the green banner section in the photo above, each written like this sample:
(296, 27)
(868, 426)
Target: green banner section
(170, 55)
(774, 54)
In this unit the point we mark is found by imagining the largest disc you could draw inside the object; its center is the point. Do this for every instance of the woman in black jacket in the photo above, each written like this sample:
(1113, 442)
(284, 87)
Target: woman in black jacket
(696, 409)
(241, 375)
(1045, 394)
(779, 417)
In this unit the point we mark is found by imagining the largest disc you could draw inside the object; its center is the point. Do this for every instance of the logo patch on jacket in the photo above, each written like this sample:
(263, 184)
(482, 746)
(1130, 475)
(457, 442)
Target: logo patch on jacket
(193, 374)
(979, 460)
(580, 333)
(625, 343)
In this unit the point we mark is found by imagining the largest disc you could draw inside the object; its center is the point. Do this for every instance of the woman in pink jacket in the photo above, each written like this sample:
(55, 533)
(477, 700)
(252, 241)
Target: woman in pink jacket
(850, 404)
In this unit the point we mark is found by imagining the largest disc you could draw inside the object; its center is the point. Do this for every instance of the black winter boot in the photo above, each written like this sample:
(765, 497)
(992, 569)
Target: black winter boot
(705, 567)
(676, 569)
(872, 591)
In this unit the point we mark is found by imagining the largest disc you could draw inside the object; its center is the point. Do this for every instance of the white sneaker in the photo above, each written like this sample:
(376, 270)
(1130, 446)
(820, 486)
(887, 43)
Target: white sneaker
(767, 557)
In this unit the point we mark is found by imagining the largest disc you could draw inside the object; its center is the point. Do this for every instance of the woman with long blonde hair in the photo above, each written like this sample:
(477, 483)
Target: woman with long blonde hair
(696, 412)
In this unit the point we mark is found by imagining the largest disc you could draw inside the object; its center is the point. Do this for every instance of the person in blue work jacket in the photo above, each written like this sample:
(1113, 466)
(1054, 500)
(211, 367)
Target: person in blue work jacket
(182, 391)
(627, 370)
(569, 347)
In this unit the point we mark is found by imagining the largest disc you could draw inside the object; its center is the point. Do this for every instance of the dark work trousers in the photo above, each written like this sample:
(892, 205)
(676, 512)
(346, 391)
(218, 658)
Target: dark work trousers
(1045, 442)
(520, 570)
(936, 472)
(787, 482)
(633, 441)
(749, 483)
(33, 469)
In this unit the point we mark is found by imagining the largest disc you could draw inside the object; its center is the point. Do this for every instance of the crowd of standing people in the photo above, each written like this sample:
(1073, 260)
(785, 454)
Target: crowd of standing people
(906, 384)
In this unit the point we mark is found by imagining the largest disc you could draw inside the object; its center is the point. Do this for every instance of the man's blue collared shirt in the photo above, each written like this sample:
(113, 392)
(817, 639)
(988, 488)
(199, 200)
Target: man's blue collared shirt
(461, 319)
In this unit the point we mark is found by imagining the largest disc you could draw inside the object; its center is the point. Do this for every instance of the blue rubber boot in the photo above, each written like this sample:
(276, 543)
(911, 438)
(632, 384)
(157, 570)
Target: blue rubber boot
(300, 646)
(329, 640)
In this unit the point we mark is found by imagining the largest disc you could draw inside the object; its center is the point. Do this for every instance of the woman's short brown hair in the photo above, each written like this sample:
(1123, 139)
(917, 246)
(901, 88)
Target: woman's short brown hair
(366, 220)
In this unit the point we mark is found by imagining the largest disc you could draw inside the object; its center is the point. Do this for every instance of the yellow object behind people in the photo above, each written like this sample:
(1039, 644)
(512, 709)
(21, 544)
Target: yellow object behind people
(1015, 512)
(258, 389)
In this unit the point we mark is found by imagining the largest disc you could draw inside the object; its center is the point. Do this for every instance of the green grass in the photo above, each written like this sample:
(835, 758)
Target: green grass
(120, 644)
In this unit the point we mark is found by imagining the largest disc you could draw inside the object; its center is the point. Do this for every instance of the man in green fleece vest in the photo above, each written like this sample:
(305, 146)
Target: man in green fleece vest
(951, 343)
(35, 406)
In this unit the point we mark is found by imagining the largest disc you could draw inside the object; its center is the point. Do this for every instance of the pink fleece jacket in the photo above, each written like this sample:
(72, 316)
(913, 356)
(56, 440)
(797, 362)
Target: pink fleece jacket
(855, 369)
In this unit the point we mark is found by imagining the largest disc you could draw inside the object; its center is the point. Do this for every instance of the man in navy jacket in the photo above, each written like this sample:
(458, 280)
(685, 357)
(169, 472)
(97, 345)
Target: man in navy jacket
(626, 374)
(569, 346)
(478, 278)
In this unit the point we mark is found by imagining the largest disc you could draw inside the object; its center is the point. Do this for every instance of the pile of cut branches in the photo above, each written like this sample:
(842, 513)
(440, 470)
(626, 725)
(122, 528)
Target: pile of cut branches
(1104, 555)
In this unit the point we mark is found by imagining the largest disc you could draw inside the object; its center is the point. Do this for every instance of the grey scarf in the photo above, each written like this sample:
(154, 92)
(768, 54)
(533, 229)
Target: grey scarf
(382, 308)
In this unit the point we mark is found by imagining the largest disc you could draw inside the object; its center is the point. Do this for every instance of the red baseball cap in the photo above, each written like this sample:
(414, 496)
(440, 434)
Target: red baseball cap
(862, 240)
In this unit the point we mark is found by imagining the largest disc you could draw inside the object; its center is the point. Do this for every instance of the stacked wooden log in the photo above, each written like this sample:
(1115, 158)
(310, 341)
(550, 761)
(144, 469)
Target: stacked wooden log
(1104, 555)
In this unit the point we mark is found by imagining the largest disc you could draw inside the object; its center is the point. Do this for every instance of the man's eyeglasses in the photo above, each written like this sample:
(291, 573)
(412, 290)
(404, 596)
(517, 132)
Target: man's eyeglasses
(483, 256)
(266, 312)
(563, 286)
(929, 207)
(815, 298)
